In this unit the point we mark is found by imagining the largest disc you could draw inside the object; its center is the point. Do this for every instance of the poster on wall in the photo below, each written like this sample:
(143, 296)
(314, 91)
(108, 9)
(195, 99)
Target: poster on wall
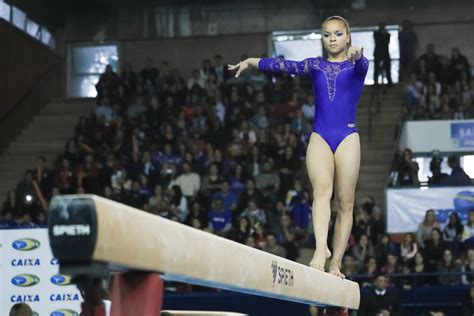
(29, 273)
(406, 208)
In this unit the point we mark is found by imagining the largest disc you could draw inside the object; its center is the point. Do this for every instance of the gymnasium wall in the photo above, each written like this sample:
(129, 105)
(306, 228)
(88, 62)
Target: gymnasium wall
(31, 75)
(147, 30)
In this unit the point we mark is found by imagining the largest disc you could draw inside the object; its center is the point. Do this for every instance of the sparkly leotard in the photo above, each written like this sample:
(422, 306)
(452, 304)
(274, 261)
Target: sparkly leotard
(337, 87)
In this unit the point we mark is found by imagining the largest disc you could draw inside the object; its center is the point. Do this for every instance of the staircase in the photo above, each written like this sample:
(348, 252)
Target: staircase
(45, 136)
(377, 155)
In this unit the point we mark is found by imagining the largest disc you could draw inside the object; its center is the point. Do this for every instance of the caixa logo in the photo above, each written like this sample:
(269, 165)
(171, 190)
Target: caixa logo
(64, 312)
(25, 280)
(26, 244)
(25, 298)
(64, 297)
(61, 279)
(26, 262)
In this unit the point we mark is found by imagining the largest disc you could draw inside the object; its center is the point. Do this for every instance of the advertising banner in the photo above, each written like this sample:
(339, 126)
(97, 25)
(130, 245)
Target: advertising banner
(406, 208)
(445, 136)
(29, 273)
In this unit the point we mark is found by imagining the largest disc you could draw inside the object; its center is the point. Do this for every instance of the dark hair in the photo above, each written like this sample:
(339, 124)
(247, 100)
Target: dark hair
(22, 309)
(176, 200)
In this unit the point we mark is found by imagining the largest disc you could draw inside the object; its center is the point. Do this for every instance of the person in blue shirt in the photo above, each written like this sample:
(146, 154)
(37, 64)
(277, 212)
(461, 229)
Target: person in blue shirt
(220, 219)
(333, 153)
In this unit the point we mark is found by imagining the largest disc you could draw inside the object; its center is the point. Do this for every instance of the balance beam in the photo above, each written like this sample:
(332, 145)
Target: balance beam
(85, 229)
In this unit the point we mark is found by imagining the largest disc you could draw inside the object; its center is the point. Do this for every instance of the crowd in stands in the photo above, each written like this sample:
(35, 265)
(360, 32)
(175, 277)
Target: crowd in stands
(440, 87)
(226, 156)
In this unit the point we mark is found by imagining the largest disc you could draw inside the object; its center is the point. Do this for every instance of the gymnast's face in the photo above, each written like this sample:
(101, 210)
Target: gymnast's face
(335, 37)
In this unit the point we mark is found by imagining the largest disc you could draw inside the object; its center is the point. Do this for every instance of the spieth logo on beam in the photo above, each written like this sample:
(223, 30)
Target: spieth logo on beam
(282, 275)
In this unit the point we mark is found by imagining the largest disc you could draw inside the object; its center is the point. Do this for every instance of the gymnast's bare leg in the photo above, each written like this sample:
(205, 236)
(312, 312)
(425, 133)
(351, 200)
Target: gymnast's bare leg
(320, 167)
(347, 164)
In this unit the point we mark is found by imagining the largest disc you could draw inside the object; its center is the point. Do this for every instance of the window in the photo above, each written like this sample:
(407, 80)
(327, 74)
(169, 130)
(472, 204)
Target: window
(5, 11)
(18, 18)
(86, 64)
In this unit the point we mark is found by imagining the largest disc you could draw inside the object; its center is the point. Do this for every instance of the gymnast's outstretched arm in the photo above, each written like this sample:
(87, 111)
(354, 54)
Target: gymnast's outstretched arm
(274, 65)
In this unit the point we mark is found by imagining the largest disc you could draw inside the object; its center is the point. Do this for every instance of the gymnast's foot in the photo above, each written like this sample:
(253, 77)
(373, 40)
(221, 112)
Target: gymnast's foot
(319, 260)
(336, 271)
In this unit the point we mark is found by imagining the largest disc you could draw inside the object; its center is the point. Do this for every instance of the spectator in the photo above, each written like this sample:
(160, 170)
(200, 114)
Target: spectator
(369, 271)
(434, 247)
(178, 203)
(468, 268)
(408, 172)
(458, 176)
(426, 227)
(419, 266)
(229, 197)
(220, 219)
(468, 231)
(107, 84)
(255, 214)
(382, 54)
(453, 231)
(468, 306)
(188, 181)
(381, 300)
(244, 229)
(408, 44)
(413, 94)
(11, 209)
(362, 250)
(148, 77)
(383, 248)
(409, 247)
(273, 247)
(21, 309)
(435, 168)
(268, 181)
(449, 265)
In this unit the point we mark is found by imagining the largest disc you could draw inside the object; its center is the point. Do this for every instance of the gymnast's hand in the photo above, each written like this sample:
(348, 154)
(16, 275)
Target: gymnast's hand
(355, 52)
(239, 67)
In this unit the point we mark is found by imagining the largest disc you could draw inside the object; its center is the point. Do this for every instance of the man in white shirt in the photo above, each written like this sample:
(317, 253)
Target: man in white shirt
(189, 182)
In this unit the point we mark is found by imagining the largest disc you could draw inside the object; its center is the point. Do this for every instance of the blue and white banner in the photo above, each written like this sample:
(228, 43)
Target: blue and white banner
(29, 274)
(462, 134)
(406, 208)
(446, 136)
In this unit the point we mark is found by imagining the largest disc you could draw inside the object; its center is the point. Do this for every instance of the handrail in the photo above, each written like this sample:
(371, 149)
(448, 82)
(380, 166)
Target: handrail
(375, 95)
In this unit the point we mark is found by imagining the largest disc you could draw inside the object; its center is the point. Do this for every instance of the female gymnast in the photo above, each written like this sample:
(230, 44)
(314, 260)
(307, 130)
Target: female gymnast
(333, 153)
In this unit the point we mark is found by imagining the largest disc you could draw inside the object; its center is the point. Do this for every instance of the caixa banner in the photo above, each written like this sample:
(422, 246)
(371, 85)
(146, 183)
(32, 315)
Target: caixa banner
(406, 208)
(29, 274)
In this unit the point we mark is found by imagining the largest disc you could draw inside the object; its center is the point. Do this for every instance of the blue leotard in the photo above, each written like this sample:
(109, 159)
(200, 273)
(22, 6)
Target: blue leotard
(337, 87)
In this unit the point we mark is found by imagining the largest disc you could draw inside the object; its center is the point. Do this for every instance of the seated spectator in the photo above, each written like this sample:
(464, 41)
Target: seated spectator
(448, 265)
(468, 268)
(188, 181)
(419, 266)
(308, 107)
(178, 203)
(349, 266)
(468, 306)
(220, 219)
(10, 208)
(212, 182)
(362, 250)
(268, 181)
(392, 265)
(244, 230)
(468, 232)
(426, 227)
(413, 93)
(408, 248)
(434, 248)
(273, 247)
(458, 176)
(408, 170)
(381, 300)
(369, 271)
(149, 77)
(249, 193)
(383, 248)
(196, 213)
(453, 231)
(255, 214)
(105, 112)
(137, 108)
(229, 197)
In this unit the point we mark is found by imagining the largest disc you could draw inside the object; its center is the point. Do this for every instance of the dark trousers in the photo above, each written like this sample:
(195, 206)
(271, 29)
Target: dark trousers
(382, 65)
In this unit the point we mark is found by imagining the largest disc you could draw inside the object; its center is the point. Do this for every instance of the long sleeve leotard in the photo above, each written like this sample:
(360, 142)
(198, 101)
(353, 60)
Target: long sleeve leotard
(337, 87)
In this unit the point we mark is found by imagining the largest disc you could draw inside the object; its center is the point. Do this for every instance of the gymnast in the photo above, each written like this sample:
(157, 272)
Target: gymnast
(333, 153)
